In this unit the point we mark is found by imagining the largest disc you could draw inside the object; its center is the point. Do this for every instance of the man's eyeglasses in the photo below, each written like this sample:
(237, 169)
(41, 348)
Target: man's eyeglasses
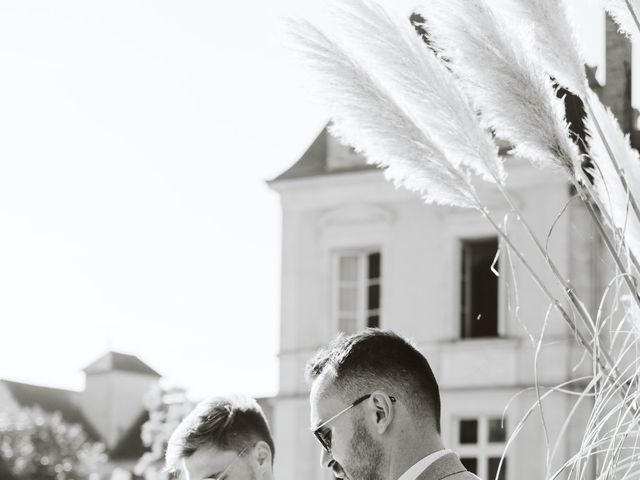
(323, 434)
(221, 476)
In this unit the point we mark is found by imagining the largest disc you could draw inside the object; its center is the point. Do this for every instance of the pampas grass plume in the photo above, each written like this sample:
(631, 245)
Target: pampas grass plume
(420, 84)
(365, 117)
(554, 44)
(612, 195)
(625, 13)
(514, 97)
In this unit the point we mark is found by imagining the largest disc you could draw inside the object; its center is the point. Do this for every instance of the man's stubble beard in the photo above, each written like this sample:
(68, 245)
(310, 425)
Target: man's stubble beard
(366, 455)
(253, 472)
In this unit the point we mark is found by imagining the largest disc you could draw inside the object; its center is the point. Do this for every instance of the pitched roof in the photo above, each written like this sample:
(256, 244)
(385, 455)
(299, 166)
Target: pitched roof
(120, 361)
(314, 162)
(51, 400)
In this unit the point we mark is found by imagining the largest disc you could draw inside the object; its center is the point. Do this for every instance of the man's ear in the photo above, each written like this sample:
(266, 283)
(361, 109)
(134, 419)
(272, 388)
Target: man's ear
(383, 409)
(263, 454)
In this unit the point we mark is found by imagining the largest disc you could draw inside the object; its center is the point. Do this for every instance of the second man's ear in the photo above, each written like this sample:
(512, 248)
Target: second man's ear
(384, 410)
(263, 454)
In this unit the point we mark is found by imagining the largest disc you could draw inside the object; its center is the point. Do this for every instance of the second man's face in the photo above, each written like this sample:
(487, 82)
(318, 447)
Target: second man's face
(354, 454)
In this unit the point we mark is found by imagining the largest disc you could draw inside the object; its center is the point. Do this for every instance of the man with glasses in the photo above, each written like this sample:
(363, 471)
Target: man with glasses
(223, 438)
(375, 409)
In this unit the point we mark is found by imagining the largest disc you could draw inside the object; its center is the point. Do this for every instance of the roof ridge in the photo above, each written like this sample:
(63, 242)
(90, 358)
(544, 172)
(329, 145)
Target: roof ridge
(119, 361)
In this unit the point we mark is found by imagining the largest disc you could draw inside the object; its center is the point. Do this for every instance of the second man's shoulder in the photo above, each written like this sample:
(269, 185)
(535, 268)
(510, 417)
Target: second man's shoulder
(447, 467)
(459, 475)
(466, 475)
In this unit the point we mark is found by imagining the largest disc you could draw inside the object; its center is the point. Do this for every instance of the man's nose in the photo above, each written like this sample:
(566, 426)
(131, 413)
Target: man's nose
(325, 459)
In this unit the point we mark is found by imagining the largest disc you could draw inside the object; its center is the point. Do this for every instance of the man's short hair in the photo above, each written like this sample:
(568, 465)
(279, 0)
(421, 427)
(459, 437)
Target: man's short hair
(226, 423)
(379, 359)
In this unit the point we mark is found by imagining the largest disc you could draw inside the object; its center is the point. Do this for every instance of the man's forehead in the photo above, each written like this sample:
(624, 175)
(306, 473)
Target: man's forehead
(206, 462)
(323, 397)
(324, 383)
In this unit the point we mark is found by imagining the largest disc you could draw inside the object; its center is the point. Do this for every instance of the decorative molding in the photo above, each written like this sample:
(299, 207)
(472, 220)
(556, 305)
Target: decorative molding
(356, 215)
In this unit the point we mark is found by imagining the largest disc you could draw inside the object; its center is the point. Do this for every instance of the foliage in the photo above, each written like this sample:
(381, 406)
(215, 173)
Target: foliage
(167, 407)
(39, 445)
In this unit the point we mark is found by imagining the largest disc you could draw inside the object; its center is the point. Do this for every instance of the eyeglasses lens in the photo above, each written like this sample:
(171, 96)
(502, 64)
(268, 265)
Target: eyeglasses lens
(324, 437)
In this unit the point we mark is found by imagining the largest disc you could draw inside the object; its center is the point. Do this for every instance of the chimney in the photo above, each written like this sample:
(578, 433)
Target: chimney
(616, 93)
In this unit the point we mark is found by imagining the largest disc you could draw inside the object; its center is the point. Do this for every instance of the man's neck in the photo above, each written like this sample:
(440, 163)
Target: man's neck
(408, 451)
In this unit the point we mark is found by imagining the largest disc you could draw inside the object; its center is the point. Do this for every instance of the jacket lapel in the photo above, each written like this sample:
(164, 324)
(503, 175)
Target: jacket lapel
(443, 467)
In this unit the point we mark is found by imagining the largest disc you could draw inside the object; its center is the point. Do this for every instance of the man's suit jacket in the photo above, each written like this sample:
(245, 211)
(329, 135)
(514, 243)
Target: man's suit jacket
(447, 467)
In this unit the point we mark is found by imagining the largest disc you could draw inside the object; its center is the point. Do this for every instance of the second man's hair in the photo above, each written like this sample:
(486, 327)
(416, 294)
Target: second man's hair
(373, 359)
(226, 423)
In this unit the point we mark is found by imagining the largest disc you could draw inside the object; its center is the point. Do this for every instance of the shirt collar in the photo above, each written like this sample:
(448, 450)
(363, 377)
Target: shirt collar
(421, 465)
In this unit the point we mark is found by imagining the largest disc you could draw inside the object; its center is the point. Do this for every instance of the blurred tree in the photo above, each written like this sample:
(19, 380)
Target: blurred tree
(40, 445)
(5, 473)
(167, 408)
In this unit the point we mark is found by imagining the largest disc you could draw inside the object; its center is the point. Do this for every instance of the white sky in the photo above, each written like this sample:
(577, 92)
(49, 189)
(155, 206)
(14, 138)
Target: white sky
(135, 138)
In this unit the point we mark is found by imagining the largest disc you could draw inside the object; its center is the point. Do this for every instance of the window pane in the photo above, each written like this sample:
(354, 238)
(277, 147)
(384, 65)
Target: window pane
(479, 289)
(496, 431)
(468, 431)
(347, 325)
(348, 266)
(373, 321)
(348, 299)
(470, 463)
(374, 265)
(493, 468)
(373, 297)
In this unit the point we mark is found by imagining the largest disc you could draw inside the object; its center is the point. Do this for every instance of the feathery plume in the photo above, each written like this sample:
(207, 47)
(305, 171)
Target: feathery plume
(558, 54)
(420, 83)
(554, 40)
(514, 97)
(612, 195)
(366, 118)
(626, 14)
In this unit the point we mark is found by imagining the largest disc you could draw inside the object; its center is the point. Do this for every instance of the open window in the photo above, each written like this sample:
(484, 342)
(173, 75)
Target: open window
(479, 288)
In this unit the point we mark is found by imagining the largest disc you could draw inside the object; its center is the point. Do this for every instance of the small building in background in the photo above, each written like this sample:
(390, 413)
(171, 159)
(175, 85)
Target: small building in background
(110, 408)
